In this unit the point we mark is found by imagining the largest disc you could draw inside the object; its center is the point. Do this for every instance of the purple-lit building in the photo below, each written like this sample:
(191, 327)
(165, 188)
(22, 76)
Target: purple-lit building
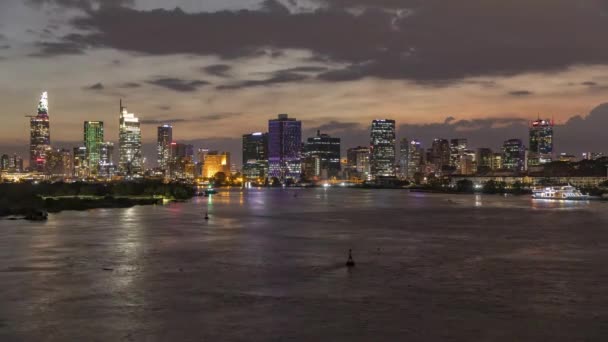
(284, 148)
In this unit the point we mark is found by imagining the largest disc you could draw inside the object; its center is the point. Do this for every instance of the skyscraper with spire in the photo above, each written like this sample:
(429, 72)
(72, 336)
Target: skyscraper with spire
(40, 135)
(130, 161)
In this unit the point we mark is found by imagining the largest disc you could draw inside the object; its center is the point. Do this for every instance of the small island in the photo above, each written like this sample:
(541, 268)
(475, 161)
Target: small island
(28, 199)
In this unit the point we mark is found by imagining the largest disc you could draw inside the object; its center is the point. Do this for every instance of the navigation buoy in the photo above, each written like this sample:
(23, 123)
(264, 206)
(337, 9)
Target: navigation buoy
(206, 216)
(350, 262)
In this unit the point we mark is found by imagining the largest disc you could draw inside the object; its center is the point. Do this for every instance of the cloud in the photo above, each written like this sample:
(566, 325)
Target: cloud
(54, 49)
(207, 117)
(177, 84)
(278, 78)
(470, 37)
(218, 116)
(96, 86)
(589, 84)
(521, 93)
(219, 70)
(82, 4)
(164, 107)
(5, 47)
(130, 85)
(161, 121)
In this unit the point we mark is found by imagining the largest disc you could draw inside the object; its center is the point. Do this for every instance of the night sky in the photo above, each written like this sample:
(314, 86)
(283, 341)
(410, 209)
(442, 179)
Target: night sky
(216, 69)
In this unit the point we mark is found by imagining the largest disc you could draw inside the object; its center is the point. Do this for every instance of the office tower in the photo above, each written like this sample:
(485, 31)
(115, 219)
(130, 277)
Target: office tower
(16, 163)
(514, 155)
(382, 148)
(40, 135)
(404, 157)
(93, 139)
(130, 161)
(79, 158)
(497, 161)
(59, 163)
(357, 161)
(415, 163)
(284, 148)
(484, 159)
(457, 148)
(107, 169)
(255, 156)
(182, 160)
(163, 145)
(4, 162)
(216, 162)
(541, 142)
(440, 154)
(325, 151)
(467, 164)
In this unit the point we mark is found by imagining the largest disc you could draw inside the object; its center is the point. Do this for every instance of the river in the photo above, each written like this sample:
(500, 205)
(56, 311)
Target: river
(268, 265)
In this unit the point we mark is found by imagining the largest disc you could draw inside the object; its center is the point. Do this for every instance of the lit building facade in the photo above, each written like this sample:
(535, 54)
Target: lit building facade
(181, 163)
(325, 150)
(440, 154)
(130, 161)
(404, 157)
(415, 163)
(382, 148)
(284, 148)
(514, 155)
(457, 148)
(216, 162)
(484, 159)
(40, 136)
(163, 146)
(93, 140)
(4, 162)
(541, 142)
(79, 162)
(357, 161)
(107, 168)
(60, 163)
(497, 161)
(255, 156)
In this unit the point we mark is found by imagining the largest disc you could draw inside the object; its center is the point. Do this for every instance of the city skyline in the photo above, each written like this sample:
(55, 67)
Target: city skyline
(197, 86)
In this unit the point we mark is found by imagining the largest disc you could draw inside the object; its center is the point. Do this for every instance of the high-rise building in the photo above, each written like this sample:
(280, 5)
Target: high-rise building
(79, 161)
(130, 161)
(457, 148)
(357, 161)
(255, 156)
(404, 157)
(415, 163)
(440, 154)
(4, 162)
(216, 162)
(484, 159)
(59, 163)
(284, 148)
(40, 135)
(497, 159)
(514, 155)
(107, 168)
(382, 148)
(182, 160)
(326, 150)
(93, 139)
(163, 146)
(592, 155)
(541, 142)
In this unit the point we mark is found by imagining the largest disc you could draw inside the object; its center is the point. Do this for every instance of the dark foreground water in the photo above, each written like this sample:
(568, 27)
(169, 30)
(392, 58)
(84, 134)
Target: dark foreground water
(269, 266)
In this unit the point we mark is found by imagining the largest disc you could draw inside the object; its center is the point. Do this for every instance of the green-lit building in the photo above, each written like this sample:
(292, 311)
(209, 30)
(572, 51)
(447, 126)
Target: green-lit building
(93, 141)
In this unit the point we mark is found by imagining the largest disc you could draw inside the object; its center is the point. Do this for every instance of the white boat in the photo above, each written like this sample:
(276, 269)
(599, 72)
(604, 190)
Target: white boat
(566, 192)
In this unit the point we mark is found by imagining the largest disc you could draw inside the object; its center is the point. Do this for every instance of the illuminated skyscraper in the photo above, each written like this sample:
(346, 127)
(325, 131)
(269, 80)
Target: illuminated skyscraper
(457, 148)
(284, 148)
(216, 162)
(541, 142)
(415, 163)
(40, 135)
(382, 148)
(484, 159)
(255, 156)
(440, 155)
(325, 151)
(165, 137)
(107, 168)
(130, 161)
(79, 161)
(514, 155)
(93, 140)
(404, 153)
(4, 162)
(60, 163)
(358, 162)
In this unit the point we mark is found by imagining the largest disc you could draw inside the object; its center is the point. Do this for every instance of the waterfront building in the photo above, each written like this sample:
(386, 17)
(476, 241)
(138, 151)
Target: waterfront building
(382, 148)
(404, 155)
(484, 159)
(130, 161)
(357, 160)
(216, 162)
(467, 164)
(93, 139)
(541, 142)
(4, 163)
(79, 162)
(497, 161)
(40, 135)
(255, 156)
(163, 146)
(325, 150)
(514, 155)
(440, 155)
(59, 163)
(107, 168)
(181, 161)
(284, 148)
(416, 159)
(457, 148)
(592, 155)
(564, 157)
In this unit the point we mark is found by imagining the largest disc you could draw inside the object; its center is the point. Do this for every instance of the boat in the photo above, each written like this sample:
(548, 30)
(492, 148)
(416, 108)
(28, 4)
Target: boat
(564, 193)
(210, 192)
